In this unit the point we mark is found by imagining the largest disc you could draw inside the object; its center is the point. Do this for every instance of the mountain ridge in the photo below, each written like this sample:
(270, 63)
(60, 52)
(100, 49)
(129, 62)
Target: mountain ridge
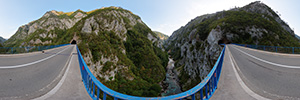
(118, 47)
(195, 48)
(2, 40)
(127, 56)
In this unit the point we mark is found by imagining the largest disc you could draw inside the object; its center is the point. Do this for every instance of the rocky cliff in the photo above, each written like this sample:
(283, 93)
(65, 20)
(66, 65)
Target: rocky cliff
(195, 46)
(2, 40)
(119, 48)
(162, 39)
(162, 36)
(47, 30)
(122, 51)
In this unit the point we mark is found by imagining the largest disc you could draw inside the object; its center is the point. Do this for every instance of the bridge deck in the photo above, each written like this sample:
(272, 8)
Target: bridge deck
(32, 75)
(72, 87)
(254, 74)
(229, 87)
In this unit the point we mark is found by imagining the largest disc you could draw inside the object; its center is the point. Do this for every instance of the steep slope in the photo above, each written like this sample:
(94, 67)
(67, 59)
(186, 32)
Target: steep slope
(162, 36)
(195, 46)
(47, 30)
(298, 37)
(162, 39)
(120, 50)
(2, 40)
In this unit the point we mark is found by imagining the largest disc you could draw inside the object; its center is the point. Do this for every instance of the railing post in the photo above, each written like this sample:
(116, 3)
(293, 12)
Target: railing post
(88, 83)
(104, 96)
(93, 84)
(193, 97)
(209, 86)
(201, 94)
(206, 91)
(98, 92)
(215, 80)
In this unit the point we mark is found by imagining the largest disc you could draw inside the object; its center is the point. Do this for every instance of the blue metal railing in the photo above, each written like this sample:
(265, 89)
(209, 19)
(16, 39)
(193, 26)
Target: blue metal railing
(205, 89)
(292, 50)
(16, 50)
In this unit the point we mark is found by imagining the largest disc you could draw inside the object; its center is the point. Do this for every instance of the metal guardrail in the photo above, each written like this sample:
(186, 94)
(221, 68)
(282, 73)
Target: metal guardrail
(205, 89)
(279, 49)
(16, 50)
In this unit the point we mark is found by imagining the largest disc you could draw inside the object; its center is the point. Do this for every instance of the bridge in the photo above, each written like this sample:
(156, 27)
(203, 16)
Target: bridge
(240, 73)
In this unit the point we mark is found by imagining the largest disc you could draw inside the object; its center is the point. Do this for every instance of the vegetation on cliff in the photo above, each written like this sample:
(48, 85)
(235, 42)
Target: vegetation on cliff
(118, 47)
(195, 51)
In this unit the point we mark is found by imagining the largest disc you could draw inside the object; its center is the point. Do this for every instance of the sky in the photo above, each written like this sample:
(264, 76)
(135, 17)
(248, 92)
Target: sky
(164, 16)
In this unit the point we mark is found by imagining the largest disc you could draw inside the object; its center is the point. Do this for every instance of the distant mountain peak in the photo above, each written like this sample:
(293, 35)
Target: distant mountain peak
(259, 7)
(2, 40)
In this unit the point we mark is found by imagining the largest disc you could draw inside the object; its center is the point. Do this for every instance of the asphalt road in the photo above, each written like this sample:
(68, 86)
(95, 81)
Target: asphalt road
(270, 75)
(32, 75)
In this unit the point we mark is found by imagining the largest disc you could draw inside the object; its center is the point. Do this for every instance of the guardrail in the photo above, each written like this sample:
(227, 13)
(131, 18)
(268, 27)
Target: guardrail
(204, 90)
(16, 50)
(279, 49)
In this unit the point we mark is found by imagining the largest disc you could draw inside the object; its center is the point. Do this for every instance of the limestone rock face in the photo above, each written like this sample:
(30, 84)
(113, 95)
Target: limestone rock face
(44, 27)
(119, 49)
(2, 40)
(195, 46)
(118, 23)
(261, 8)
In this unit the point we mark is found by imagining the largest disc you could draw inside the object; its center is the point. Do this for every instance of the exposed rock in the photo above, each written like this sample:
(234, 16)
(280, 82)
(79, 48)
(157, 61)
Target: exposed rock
(195, 46)
(2, 40)
(38, 41)
(50, 21)
(107, 40)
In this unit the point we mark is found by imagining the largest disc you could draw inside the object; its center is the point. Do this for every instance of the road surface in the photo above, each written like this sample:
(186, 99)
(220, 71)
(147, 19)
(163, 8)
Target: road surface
(250, 74)
(33, 75)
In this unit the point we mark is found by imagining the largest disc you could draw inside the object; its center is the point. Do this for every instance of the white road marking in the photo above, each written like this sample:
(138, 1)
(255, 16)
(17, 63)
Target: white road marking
(268, 62)
(244, 86)
(268, 52)
(31, 63)
(59, 84)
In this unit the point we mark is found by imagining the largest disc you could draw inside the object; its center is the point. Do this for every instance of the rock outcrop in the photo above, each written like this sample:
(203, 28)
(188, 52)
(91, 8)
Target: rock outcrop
(41, 30)
(2, 40)
(195, 46)
(120, 50)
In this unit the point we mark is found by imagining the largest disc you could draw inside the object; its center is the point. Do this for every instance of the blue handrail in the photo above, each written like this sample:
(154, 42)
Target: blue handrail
(94, 86)
(16, 50)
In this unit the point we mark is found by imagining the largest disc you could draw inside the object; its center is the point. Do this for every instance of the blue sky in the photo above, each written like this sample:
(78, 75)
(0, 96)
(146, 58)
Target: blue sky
(160, 15)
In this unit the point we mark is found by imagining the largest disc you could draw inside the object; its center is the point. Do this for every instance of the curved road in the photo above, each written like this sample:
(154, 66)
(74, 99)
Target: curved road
(250, 74)
(32, 75)
(247, 74)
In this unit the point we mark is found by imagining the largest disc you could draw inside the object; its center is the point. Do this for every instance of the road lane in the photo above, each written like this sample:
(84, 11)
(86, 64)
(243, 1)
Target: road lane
(36, 79)
(268, 80)
(284, 59)
(27, 58)
(229, 87)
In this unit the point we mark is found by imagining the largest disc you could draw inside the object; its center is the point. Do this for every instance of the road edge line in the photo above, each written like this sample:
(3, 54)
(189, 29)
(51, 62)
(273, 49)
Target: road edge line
(269, 52)
(243, 85)
(28, 53)
(31, 63)
(60, 83)
(268, 62)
